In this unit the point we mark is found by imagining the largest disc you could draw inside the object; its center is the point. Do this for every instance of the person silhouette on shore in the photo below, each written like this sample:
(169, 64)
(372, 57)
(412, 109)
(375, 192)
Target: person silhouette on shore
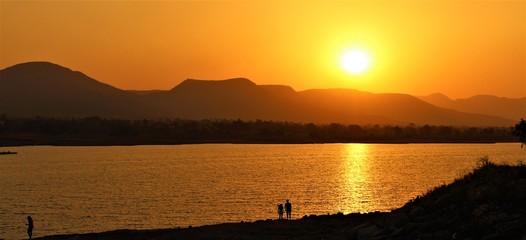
(288, 209)
(29, 226)
(280, 211)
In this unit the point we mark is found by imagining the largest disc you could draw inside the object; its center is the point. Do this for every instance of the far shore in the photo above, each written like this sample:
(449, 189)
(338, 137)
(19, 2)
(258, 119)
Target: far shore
(83, 142)
(96, 131)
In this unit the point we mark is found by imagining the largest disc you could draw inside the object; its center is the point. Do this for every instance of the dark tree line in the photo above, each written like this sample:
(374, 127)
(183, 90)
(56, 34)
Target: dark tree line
(520, 131)
(101, 131)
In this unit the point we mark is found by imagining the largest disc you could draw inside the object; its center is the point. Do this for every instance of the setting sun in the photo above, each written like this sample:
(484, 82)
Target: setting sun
(355, 61)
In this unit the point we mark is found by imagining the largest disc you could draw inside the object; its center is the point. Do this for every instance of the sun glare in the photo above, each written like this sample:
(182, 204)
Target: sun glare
(355, 61)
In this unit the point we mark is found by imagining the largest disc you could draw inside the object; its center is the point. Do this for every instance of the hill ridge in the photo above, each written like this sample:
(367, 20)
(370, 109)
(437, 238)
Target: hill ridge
(71, 93)
(511, 108)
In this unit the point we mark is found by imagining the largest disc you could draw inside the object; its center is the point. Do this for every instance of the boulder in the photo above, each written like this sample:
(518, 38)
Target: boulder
(367, 233)
(443, 200)
(493, 236)
(352, 234)
(416, 211)
(396, 219)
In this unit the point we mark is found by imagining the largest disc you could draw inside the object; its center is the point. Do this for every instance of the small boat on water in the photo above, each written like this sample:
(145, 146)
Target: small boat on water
(7, 152)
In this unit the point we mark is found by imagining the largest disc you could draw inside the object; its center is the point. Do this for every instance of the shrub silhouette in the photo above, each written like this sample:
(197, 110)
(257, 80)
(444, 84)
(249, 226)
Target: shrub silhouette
(520, 131)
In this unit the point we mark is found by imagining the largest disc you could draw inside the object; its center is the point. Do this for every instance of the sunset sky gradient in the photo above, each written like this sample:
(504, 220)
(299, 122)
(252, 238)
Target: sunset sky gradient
(459, 48)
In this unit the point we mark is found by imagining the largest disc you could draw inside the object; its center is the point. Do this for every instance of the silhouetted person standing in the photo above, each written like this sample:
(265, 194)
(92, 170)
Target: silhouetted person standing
(280, 211)
(29, 226)
(288, 209)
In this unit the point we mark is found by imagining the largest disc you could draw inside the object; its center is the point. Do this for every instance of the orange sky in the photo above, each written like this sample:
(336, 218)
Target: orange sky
(459, 48)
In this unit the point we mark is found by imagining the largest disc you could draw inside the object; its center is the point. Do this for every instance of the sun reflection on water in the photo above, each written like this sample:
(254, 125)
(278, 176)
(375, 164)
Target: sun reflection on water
(356, 177)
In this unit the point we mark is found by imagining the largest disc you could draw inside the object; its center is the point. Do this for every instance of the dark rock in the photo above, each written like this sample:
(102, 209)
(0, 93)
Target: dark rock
(379, 221)
(397, 232)
(416, 211)
(522, 172)
(442, 234)
(366, 233)
(438, 224)
(380, 233)
(423, 218)
(411, 227)
(397, 219)
(443, 200)
(424, 236)
(452, 207)
(380, 237)
(352, 234)
(493, 236)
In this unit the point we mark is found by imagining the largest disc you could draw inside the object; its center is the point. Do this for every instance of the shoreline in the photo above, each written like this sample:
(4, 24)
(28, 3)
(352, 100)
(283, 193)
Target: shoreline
(249, 142)
(260, 229)
(487, 203)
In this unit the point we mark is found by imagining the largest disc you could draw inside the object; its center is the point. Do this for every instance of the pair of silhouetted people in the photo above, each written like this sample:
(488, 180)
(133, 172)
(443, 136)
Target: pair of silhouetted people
(29, 226)
(288, 209)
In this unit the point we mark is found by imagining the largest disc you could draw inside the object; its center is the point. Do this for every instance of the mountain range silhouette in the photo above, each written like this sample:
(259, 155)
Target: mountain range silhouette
(49, 90)
(512, 108)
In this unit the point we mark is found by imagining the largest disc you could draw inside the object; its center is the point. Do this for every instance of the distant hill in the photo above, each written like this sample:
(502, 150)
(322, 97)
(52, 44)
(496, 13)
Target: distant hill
(241, 98)
(395, 108)
(231, 99)
(511, 108)
(50, 90)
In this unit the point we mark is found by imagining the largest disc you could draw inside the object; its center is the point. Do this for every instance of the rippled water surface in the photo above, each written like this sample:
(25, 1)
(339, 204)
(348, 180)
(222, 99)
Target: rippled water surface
(91, 189)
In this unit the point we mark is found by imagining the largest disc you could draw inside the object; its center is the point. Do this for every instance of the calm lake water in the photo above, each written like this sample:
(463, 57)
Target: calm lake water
(92, 189)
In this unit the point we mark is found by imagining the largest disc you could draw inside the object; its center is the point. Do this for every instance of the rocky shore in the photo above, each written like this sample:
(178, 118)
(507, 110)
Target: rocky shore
(488, 203)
